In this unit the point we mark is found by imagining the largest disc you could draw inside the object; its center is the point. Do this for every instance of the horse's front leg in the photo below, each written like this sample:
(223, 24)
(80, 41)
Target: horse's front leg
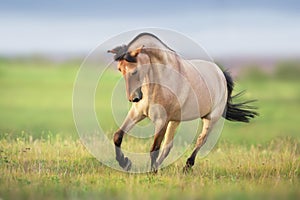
(160, 130)
(131, 119)
(168, 141)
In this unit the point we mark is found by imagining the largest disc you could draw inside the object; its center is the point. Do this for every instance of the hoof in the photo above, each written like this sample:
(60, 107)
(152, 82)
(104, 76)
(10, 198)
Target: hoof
(127, 165)
(154, 170)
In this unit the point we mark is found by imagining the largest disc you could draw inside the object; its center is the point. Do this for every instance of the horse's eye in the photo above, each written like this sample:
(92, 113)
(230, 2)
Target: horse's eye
(133, 73)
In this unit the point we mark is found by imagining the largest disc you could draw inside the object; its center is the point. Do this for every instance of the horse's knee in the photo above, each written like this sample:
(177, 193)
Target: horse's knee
(118, 137)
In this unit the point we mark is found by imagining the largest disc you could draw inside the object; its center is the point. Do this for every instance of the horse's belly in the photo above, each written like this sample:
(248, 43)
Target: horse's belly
(190, 108)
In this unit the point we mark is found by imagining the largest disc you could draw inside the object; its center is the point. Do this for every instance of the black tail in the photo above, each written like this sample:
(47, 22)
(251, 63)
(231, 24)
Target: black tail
(241, 112)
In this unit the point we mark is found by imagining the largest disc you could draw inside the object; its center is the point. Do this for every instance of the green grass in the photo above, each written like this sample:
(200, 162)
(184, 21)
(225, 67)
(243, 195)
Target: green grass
(41, 156)
(54, 168)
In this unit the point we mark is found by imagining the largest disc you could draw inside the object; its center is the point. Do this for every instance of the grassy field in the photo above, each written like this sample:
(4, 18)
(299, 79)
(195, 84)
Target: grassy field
(41, 155)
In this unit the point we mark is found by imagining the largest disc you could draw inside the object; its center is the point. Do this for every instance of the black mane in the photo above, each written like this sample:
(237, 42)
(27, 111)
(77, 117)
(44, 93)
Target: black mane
(120, 52)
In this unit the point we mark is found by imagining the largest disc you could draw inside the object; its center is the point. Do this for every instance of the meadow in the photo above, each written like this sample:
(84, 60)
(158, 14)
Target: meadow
(42, 157)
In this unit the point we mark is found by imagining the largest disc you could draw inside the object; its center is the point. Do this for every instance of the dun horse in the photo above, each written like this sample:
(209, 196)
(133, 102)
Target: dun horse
(184, 90)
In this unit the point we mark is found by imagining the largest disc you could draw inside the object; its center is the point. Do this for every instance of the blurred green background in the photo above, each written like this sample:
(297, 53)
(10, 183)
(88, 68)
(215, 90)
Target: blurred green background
(36, 99)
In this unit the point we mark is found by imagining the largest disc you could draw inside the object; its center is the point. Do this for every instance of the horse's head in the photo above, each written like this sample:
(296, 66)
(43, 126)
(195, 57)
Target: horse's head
(129, 66)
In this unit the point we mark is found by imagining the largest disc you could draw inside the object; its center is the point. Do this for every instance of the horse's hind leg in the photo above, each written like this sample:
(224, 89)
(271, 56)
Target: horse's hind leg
(207, 127)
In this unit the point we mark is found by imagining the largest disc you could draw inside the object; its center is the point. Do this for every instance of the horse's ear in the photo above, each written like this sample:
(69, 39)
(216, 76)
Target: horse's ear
(111, 51)
(136, 52)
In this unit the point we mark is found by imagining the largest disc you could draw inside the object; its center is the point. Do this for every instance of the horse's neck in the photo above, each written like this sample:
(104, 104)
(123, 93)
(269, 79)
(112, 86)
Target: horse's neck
(151, 80)
(163, 75)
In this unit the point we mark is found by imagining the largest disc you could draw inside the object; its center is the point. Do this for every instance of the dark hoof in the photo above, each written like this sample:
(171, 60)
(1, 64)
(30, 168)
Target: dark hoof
(127, 165)
(154, 170)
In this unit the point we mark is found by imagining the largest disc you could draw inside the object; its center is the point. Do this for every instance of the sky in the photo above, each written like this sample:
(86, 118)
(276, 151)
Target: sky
(222, 27)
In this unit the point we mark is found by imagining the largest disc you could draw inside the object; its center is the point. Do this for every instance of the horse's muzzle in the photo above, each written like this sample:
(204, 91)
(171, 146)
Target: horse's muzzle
(136, 96)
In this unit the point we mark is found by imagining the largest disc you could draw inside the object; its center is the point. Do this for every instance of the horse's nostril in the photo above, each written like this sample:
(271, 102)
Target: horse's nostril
(136, 99)
(136, 96)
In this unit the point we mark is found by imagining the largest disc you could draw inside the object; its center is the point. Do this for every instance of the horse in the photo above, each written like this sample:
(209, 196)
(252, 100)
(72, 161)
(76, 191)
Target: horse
(168, 89)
